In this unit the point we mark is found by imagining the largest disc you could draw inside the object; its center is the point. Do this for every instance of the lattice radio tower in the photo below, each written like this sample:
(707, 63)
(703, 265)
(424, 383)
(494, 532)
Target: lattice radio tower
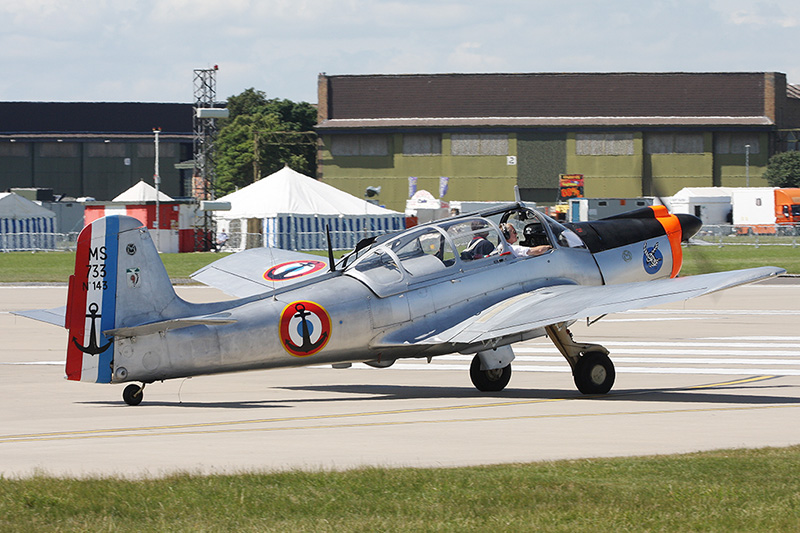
(205, 133)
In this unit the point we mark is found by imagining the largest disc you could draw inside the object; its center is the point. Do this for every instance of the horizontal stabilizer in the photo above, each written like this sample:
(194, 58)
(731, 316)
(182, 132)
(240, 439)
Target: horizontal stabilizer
(177, 323)
(55, 316)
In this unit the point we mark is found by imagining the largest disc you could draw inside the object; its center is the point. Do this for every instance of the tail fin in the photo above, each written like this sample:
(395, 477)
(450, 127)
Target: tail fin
(119, 281)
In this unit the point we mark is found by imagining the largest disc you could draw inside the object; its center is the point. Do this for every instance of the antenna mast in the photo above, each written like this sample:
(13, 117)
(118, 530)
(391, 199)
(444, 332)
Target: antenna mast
(204, 134)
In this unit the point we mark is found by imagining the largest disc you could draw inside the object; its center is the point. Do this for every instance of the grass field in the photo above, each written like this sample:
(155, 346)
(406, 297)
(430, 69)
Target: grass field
(741, 490)
(24, 267)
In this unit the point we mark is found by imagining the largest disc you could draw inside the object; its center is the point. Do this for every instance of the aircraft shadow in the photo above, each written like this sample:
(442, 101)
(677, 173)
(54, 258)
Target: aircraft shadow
(672, 395)
(725, 394)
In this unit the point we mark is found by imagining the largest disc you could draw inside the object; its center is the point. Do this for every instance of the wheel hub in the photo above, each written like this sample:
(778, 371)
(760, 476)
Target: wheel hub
(598, 374)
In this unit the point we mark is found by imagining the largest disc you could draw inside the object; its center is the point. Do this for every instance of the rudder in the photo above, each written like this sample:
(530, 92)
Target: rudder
(119, 280)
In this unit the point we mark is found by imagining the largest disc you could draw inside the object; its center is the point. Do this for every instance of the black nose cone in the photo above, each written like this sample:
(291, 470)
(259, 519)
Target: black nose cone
(690, 225)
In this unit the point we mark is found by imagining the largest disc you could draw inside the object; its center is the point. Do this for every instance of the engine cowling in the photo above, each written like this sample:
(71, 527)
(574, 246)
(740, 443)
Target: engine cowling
(639, 245)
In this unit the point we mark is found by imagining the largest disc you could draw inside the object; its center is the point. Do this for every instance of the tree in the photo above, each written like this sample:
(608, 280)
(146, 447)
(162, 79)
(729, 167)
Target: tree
(783, 170)
(249, 102)
(266, 129)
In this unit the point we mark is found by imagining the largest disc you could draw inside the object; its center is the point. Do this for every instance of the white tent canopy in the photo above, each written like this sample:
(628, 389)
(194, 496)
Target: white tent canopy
(142, 192)
(25, 225)
(288, 191)
(290, 210)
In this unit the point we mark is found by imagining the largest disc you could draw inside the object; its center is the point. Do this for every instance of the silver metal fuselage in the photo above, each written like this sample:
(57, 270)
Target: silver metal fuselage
(361, 317)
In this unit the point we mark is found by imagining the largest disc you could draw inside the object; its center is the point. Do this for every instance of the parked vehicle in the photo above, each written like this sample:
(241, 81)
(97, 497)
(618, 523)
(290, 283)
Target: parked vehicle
(763, 210)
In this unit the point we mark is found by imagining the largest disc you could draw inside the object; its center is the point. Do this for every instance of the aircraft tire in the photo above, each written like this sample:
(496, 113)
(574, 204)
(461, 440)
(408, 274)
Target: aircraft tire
(594, 373)
(489, 380)
(133, 394)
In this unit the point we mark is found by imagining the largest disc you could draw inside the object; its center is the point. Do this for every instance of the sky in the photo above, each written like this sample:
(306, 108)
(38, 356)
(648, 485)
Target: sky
(146, 51)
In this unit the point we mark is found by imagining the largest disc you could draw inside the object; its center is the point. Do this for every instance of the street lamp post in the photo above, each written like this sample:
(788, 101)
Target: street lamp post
(157, 182)
(747, 164)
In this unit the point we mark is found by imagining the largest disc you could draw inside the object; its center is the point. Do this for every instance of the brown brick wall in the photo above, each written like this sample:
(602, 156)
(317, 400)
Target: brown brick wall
(545, 95)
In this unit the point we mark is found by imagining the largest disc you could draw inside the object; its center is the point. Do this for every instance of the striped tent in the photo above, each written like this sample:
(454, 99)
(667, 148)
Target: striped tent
(290, 210)
(25, 225)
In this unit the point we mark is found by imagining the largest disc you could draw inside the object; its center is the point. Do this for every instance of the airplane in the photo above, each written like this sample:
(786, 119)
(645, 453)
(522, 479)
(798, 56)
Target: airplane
(417, 293)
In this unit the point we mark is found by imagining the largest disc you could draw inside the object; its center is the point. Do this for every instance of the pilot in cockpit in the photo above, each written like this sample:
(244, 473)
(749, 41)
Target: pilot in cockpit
(510, 234)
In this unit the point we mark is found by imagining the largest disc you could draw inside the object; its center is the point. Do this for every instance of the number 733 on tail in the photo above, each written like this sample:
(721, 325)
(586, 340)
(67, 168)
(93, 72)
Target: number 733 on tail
(472, 284)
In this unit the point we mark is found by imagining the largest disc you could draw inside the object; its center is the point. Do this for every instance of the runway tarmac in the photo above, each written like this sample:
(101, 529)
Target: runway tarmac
(721, 371)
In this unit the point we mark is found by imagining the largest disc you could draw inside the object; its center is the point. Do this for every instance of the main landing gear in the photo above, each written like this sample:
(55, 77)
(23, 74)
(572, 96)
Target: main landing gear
(493, 380)
(592, 369)
(133, 394)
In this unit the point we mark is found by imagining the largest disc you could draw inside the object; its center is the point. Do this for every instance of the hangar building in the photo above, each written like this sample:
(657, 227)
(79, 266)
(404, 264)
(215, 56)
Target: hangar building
(627, 134)
(92, 148)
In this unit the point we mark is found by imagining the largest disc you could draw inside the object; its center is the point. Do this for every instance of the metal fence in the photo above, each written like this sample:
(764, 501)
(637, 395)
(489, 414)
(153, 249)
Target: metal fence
(760, 235)
(38, 242)
(722, 235)
(299, 240)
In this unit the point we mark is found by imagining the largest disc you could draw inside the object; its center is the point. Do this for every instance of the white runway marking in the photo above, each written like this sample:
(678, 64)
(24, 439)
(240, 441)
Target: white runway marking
(750, 355)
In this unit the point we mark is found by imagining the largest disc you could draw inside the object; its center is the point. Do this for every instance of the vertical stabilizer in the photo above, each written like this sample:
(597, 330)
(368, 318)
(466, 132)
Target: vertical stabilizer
(119, 281)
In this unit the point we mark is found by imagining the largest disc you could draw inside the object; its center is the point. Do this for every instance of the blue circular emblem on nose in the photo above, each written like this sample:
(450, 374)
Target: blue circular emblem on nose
(652, 259)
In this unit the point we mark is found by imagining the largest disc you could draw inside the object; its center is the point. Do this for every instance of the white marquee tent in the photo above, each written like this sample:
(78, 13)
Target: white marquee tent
(142, 192)
(25, 225)
(290, 210)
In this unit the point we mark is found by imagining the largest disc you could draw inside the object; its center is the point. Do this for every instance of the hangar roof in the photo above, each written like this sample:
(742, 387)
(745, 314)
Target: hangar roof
(33, 118)
(550, 100)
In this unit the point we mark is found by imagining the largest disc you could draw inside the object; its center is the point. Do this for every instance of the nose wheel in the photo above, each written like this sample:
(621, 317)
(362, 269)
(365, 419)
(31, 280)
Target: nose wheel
(133, 394)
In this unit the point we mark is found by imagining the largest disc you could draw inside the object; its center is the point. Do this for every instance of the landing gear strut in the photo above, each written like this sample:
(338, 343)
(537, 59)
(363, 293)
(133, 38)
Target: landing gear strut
(133, 394)
(592, 369)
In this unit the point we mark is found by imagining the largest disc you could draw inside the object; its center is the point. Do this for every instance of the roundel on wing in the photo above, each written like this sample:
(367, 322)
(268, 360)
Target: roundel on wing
(293, 269)
(305, 328)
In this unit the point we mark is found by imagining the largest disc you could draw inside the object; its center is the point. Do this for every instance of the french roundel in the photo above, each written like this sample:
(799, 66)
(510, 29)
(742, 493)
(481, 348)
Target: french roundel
(293, 269)
(305, 328)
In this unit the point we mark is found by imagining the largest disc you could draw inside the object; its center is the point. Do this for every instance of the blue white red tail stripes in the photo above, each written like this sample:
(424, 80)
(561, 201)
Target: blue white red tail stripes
(91, 302)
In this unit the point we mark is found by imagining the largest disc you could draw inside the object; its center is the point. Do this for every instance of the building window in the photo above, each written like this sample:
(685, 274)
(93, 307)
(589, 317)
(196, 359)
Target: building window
(58, 150)
(604, 144)
(15, 149)
(674, 143)
(422, 144)
(148, 150)
(105, 150)
(479, 144)
(735, 143)
(371, 144)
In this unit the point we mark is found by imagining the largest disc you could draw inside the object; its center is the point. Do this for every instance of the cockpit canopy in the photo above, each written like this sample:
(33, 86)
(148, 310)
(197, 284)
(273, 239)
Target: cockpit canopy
(389, 263)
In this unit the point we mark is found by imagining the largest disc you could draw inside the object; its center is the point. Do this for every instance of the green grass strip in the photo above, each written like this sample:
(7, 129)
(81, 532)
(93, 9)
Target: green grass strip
(734, 490)
(56, 267)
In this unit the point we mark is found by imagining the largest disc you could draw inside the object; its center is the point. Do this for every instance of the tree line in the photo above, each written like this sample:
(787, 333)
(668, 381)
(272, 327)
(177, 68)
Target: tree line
(261, 136)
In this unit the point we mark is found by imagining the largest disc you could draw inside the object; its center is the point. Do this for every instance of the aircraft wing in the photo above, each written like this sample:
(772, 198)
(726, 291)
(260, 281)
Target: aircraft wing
(563, 303)
(259, 270)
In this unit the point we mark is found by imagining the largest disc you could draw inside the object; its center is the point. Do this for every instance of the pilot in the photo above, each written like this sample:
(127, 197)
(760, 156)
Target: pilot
(479, 246)
(517, 250)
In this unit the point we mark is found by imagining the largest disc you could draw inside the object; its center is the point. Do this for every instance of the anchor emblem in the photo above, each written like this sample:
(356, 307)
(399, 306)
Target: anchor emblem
(93, 348)
(304, 328)
(652, 259)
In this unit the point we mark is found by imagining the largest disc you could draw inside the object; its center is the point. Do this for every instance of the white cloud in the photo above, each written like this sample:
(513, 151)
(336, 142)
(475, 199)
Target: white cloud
(760, 14)
(145, 50)
(469, 57)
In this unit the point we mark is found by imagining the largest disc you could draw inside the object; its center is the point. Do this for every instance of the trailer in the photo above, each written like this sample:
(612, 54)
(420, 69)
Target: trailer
(764, 210)
(586, 209)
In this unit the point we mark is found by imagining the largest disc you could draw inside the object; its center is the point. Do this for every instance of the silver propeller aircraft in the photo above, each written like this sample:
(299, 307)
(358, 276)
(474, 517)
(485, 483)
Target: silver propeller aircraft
(459, 285)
